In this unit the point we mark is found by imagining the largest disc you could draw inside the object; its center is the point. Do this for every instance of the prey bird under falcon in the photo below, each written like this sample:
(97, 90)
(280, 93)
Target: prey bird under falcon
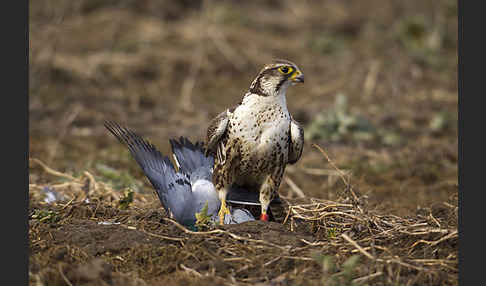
(254, 141)
(184, 192)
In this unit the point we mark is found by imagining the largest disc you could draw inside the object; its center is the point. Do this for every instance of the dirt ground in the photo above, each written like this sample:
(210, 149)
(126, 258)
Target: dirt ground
(380, 99)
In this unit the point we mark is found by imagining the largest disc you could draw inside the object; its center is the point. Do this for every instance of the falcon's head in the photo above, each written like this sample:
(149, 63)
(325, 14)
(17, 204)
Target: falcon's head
(275, 78)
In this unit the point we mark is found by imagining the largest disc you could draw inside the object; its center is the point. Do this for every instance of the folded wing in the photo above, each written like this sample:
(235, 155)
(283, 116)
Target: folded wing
(296, 139)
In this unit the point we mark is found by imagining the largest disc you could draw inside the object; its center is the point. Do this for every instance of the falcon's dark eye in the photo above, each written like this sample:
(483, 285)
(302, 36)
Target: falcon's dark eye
(285, 69)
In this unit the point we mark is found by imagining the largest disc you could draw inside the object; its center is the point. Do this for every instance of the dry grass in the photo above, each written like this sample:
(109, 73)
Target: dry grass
(420, 249)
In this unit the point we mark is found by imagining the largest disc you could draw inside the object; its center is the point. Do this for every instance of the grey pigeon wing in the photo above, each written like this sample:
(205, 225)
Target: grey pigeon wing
(190, 157)
(173, 189)
(239, 216)
(236, 215)
(179, 196)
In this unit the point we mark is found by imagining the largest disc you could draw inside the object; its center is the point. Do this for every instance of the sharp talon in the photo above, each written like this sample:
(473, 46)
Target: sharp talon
(264, 217)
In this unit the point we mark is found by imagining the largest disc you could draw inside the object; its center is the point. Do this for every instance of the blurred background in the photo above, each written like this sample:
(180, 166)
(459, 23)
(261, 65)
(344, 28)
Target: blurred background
(380, 95)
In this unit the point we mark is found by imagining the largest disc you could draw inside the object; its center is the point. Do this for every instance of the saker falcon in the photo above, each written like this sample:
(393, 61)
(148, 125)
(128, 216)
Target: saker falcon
(254, 141)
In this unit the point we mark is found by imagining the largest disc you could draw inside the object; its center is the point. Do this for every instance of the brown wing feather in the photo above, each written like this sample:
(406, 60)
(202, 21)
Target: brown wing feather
(216, 130)
(296, 139)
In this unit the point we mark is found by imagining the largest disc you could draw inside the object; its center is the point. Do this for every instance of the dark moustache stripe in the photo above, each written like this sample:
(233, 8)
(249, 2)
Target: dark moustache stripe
(257, 88)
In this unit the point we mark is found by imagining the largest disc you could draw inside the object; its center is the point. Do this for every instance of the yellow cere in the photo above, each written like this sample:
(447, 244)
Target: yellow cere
(296, 74)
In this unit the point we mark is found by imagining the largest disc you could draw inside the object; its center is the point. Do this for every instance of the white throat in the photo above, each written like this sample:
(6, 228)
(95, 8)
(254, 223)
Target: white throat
(279, 98)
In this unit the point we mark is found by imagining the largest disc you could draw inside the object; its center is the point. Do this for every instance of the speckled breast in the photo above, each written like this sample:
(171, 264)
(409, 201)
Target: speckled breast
(259, 131)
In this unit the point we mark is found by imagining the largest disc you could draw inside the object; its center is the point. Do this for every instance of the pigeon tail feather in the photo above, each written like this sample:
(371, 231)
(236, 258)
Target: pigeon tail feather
(173, 188)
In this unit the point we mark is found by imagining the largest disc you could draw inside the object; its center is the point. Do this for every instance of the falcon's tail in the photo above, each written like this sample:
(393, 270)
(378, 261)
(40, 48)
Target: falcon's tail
(173, 188)
(190, 157)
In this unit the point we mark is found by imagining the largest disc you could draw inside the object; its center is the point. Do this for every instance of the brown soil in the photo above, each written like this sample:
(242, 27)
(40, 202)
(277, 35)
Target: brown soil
(143, 247)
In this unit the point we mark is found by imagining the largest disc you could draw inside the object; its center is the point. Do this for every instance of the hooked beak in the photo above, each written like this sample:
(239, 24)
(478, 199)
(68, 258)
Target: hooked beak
(297, 77)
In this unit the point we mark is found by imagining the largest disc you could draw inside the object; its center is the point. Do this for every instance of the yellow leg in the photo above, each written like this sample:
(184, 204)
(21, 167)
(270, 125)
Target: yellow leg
(223, 211)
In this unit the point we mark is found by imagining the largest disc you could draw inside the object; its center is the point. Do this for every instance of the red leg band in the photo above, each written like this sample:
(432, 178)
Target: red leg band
(264, 217)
